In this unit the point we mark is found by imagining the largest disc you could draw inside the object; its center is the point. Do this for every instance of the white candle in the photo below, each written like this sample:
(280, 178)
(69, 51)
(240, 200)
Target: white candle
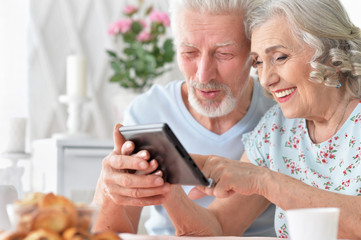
(76, 76)
(16, 135)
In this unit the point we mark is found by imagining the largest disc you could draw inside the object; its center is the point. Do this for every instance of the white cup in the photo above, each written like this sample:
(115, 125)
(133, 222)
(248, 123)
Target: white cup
(313, 223)
(8, 194)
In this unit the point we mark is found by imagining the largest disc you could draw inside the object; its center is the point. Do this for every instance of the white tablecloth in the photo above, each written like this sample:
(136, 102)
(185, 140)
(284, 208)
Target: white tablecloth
(126, 236)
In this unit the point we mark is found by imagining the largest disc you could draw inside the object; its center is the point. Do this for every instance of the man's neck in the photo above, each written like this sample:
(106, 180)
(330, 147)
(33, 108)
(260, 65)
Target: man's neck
(220, 125)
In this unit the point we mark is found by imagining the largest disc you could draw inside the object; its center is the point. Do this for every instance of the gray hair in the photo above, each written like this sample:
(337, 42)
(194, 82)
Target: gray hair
(217, 7)
(325, 26)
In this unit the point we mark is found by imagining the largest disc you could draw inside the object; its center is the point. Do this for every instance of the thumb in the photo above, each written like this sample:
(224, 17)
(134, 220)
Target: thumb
(195, 194)
(200, 160)
(118, 139)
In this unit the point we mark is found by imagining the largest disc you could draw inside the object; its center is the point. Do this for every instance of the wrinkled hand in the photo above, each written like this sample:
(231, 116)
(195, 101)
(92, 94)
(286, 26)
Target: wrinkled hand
(125, 176)
(229, 177)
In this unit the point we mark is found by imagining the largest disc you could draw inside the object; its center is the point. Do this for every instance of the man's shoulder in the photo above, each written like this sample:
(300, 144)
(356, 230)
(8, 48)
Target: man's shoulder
(158, 96)
(159, 103)
(159, 92)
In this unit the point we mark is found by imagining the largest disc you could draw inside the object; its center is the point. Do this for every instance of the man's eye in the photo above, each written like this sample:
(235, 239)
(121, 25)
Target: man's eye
(189, 54)
(224, 55)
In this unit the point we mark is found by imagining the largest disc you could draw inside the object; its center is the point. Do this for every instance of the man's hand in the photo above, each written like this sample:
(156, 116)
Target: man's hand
(125, 176)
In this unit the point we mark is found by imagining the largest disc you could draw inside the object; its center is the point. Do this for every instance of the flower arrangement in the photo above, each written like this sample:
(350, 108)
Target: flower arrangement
(146, 50)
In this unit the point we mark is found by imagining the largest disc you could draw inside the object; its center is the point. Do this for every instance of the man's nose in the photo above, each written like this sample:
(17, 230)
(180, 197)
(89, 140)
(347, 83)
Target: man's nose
(207, 68)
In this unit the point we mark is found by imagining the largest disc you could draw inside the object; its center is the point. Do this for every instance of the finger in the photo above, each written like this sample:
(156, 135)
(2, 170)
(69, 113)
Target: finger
(195, 193)
(153, 164)
(129, 180)
(199, 159)
(141, 192)
(223, 191)
(127, 148)
(147, 201)
(143, 154)
(125, 162)
(118, 139)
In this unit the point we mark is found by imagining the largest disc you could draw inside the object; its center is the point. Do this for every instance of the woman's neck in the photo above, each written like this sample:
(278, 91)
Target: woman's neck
(322, 130)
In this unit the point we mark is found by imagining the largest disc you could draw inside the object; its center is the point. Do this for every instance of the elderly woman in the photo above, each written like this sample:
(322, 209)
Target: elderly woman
(308, 57)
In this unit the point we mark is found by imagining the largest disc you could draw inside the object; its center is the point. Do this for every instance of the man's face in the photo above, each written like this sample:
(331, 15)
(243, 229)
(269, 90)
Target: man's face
(213, 55)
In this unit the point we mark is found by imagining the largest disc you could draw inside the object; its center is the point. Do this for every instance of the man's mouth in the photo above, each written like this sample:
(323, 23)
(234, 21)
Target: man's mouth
(207, 93)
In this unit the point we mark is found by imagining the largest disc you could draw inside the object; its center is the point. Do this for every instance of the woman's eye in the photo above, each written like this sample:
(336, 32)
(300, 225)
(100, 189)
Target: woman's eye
(282, 58)
(256, 63)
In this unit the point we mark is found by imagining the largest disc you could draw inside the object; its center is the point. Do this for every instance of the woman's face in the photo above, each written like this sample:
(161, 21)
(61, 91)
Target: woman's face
(283, 65)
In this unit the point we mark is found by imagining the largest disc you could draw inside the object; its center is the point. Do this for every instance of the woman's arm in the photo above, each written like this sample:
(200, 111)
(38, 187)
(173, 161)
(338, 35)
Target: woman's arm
(289, 193)
(286, 192)
(227, 216)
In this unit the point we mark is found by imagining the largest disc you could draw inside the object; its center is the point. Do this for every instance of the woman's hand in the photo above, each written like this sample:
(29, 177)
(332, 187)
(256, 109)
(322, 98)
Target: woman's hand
(229, 176)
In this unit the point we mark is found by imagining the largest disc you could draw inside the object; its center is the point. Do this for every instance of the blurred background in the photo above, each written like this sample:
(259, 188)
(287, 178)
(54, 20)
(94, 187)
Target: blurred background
(36, 38)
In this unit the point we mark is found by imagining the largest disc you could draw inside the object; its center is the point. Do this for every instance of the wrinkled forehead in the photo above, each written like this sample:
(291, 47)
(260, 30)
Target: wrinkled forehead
(222, 28)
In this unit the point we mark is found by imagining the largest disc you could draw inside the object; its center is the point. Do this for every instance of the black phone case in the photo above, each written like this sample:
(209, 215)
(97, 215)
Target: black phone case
(177, 166)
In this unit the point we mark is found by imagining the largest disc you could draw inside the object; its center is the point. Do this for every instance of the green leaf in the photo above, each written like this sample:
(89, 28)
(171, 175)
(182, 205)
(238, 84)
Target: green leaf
(168, 56)
(129, 51)
(129, 37)
(112, 53)
(139, 65)
(150, 63)
(116, 78)
(136, 27)
(140, 51)
(149, 10)
(168, 45)
(115, 66)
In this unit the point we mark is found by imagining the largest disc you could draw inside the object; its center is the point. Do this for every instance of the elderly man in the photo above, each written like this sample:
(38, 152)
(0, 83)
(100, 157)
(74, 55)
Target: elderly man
(209, 111)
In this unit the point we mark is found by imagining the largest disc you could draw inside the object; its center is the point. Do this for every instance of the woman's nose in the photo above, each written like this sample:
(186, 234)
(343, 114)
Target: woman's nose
(268, 76)
(206, 69)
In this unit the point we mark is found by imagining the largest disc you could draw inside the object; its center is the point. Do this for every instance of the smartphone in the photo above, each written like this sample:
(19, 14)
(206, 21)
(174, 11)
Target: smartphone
(162, 144)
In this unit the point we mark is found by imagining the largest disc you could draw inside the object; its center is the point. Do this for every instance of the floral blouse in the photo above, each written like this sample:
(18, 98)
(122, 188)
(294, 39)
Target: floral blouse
(283, 145)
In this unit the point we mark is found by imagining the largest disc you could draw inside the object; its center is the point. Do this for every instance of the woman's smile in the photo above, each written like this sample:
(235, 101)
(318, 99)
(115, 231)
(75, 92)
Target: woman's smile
(284, 95)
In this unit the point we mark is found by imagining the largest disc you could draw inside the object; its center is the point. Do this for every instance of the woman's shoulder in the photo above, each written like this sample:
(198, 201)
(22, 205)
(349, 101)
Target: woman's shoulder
(274, 113)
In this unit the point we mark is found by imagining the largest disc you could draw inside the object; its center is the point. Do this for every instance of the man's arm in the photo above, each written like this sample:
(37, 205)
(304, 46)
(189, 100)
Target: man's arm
(125, 185)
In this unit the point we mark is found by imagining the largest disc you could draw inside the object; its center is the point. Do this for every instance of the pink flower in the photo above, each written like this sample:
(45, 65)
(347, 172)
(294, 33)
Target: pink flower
(143, 23)
(159, 17)
(121, 26)
(129, 10)
(144, 36)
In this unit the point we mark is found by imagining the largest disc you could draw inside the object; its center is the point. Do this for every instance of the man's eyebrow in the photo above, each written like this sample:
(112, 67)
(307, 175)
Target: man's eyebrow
(225, 44)
(188, 44)
(269, 49)
(217, 44)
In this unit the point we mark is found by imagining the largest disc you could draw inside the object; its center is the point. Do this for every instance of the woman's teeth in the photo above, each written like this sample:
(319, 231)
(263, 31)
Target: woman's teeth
(284, 93)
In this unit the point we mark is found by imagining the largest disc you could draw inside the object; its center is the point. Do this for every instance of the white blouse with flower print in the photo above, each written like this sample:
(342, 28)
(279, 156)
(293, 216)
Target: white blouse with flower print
(283, 145)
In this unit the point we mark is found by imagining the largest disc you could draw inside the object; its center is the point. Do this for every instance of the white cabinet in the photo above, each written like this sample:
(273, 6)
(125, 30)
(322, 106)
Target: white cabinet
(69, 167)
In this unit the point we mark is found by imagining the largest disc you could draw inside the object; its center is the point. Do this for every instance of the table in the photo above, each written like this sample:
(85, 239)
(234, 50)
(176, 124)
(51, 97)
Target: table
(68, 166)
(127, 236)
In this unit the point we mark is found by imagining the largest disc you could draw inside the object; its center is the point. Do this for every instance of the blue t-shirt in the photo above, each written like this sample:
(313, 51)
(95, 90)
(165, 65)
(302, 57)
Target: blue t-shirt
(284, 146)
(165, 104)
